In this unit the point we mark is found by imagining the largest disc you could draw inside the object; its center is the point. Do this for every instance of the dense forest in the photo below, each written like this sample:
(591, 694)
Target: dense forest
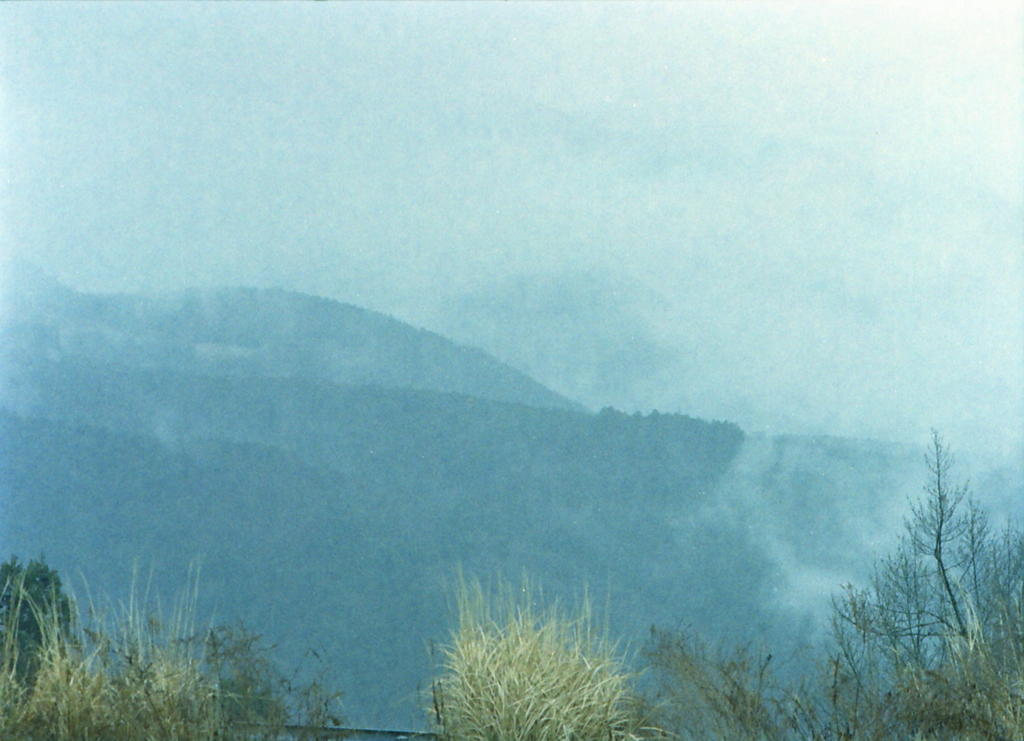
(347, 555)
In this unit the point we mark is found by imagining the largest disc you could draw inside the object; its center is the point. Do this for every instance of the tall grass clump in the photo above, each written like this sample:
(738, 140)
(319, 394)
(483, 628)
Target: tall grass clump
(513, 674)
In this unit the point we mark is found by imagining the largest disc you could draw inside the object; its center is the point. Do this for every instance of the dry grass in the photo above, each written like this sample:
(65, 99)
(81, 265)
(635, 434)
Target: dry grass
(975, 694)
(12, 691)
(511, 674)
(126, 679)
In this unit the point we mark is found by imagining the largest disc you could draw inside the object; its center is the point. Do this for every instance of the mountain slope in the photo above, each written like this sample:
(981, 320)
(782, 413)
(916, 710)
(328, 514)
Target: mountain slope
(243, 332)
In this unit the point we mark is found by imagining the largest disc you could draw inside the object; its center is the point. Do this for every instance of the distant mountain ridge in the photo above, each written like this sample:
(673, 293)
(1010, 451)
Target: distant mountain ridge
(249, 332)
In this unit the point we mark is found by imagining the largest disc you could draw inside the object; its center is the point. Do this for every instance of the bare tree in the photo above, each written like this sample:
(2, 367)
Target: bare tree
(938, 525)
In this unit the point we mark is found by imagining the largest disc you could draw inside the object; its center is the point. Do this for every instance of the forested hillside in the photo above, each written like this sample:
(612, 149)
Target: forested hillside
(348, 542)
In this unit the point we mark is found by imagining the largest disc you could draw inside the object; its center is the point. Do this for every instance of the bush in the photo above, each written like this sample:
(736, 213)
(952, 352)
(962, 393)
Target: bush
(513, 675)
(706, 695)
(251, 687)
(977, 694)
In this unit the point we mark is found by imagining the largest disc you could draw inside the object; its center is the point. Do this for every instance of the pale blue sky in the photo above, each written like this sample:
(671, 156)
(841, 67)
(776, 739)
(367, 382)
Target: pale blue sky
(803, 217)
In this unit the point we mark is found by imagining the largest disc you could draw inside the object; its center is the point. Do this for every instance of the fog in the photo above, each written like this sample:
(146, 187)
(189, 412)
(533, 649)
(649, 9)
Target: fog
(798, 217)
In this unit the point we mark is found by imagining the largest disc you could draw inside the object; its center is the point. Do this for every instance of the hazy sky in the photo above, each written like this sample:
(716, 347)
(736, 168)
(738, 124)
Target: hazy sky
(803, 217)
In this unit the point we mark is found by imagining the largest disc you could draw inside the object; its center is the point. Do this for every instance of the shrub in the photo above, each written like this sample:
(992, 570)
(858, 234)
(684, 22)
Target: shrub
(706, 695)
(250, 685)
(977, 694)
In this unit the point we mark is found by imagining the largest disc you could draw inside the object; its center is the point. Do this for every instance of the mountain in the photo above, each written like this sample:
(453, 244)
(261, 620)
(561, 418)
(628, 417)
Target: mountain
(333, 469)
(242, 333)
